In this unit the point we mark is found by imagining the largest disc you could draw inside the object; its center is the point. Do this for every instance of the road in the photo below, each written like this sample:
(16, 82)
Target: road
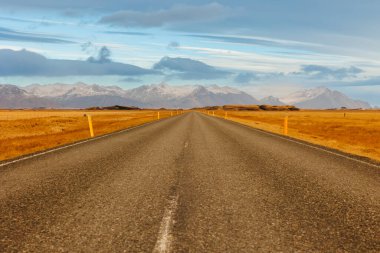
(190, 183)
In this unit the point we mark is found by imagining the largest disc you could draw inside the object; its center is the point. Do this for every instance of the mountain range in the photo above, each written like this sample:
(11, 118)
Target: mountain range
(322, 98)
(81, 95)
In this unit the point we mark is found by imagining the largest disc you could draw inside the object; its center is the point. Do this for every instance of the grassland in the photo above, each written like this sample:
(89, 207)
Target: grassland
(355, 132)
(28, 131)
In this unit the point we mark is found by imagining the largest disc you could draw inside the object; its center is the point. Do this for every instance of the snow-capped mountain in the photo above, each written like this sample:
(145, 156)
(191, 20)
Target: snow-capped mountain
(163, 95)
(81, 95)
(304, 95)
(270, 100)
(76, 90)
(214, 95)
(160, 91)
(322, 98)
(12, 91)
(12, 96)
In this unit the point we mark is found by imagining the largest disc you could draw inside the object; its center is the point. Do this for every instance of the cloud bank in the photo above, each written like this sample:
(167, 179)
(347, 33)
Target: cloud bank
(325, 73)
(189, 69)
(11, 35)
(174, 15)
(26, 63)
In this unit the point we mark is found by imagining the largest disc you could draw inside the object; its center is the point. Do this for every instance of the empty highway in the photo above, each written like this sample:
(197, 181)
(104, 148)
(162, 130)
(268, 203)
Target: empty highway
(190, 183)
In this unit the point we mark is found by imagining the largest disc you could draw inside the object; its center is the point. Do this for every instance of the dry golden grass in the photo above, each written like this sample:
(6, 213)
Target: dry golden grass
(28, 131)
(355, 132)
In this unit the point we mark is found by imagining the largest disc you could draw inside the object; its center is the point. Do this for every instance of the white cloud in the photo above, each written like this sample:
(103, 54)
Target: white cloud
(177, 14)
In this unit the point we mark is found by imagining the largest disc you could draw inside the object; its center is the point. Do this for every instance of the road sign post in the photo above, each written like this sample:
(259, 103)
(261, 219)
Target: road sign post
(90, 125)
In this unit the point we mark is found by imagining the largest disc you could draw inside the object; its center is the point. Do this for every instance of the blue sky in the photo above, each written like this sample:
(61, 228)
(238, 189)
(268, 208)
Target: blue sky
(270, 47)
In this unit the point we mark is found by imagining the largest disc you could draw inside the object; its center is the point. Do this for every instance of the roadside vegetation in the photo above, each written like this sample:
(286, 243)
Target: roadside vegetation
(353, 131)
(28, 131)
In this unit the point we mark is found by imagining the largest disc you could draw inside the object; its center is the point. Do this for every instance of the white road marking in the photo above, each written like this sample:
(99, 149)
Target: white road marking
(307, 145)
(186, 144)
(165, 236)
(77, 143)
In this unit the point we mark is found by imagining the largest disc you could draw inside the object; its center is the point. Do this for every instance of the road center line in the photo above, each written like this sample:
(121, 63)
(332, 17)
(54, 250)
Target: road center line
(165, 236)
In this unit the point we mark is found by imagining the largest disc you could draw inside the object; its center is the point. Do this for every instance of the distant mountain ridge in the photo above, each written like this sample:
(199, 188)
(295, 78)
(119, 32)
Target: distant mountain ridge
(78, 89)
(12, 96)
(270, 100)
(81, 95)
(323, 98)
(188, 96)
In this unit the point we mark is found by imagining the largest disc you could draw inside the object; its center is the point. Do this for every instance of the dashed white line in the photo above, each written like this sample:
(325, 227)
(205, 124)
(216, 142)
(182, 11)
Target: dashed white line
(165, 236)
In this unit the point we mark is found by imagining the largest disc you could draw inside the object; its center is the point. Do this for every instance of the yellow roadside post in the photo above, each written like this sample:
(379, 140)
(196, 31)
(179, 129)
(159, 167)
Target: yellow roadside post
(213, 113)
(158, 115)
(225, 115)
(90, 125)
(171, 114)
(286, 125)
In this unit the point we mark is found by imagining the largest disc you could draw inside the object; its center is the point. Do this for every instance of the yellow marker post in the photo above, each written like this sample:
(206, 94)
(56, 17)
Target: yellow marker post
(158, 115)
(90, 125)
(225, 115)
(286, 125)
(171, 114)
(213, 113)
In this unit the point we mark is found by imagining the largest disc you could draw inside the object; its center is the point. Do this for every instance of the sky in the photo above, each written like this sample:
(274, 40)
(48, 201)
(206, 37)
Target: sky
(271, 47)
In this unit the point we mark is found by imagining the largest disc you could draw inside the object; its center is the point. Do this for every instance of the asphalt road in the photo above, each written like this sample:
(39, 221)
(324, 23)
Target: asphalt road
(191, 183)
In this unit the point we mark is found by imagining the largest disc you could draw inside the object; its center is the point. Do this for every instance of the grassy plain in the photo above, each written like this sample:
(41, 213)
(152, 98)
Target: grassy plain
(355, 132)
(28, 131)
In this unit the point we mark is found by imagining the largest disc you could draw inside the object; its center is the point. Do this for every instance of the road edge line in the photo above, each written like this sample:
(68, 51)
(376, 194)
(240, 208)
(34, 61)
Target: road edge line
(304, 143)
(41, 153)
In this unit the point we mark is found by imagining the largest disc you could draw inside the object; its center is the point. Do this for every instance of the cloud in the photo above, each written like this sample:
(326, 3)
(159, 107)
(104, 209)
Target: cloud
(26, 63)
(88, 47)
(188, 69)
(174, 45)
(130, 80)
(128, 33)
(374, 81)
(247, 77)
(11, 35)
(175, 15)
(249, 40)
(71, 13)
(104, 55)
(307, 73)
(323, 72)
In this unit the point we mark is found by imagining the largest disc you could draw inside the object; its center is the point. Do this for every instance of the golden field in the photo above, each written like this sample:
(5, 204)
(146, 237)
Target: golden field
(355, 132)
(28, 131)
